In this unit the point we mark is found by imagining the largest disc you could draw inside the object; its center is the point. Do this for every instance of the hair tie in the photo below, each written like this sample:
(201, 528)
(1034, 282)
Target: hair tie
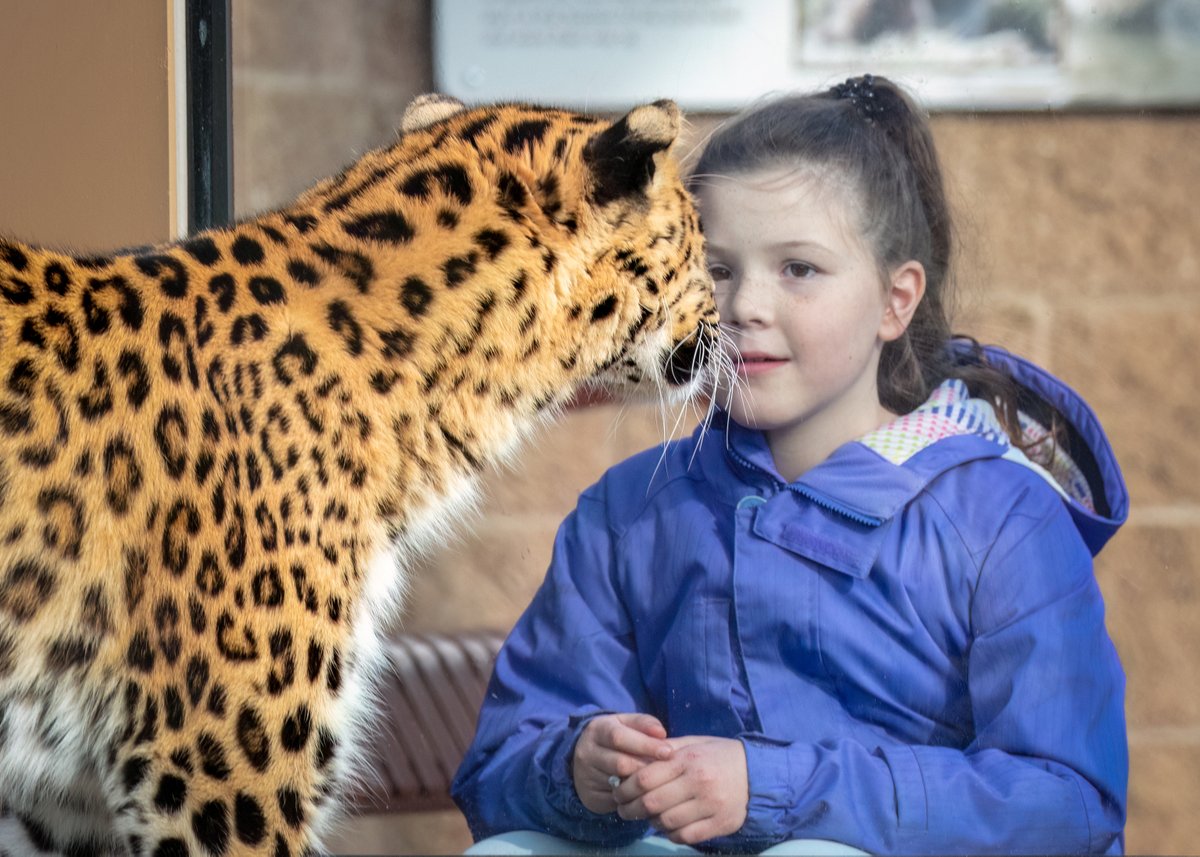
(861, 93)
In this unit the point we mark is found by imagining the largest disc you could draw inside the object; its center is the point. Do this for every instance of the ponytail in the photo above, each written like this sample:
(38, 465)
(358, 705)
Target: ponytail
(922, 358)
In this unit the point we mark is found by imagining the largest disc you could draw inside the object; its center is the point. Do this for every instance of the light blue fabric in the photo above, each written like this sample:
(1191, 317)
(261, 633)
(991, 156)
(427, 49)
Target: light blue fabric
(528, 842)
(914, 657)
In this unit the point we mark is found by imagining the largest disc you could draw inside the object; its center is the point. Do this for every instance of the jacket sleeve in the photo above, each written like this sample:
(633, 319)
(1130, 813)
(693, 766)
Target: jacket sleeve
(569, 658)
(1047, 769)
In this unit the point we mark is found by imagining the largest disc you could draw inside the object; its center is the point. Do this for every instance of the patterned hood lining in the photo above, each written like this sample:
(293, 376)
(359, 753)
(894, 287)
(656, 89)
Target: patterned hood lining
(951, 411)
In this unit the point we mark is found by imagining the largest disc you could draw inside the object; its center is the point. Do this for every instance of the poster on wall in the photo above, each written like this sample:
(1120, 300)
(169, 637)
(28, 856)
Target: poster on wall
(721, 54)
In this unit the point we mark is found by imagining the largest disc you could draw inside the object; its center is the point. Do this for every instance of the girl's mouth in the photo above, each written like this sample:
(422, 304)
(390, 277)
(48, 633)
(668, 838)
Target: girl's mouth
(752, 363)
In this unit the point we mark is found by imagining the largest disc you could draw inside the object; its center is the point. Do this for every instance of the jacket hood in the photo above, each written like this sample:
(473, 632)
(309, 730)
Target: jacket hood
(870, 479)
(1083, 441)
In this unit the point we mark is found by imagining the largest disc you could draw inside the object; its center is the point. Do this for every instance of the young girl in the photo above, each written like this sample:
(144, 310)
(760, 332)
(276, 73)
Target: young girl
(860, 607)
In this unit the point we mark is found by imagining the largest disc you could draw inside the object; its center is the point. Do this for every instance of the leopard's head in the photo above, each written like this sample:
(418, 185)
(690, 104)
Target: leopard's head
(622, 297)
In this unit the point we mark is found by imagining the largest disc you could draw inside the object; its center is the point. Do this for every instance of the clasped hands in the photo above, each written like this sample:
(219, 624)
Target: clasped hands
(691, 788)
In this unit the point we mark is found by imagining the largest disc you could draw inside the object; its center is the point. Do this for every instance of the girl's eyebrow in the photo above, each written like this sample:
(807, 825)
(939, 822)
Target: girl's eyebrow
(799, 245)
(713, 247)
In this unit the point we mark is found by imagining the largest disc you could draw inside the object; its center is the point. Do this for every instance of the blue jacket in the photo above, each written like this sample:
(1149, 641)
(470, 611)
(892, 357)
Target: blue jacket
(913, 655)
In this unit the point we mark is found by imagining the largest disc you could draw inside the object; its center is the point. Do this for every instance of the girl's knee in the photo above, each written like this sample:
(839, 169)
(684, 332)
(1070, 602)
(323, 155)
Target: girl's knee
(529, 842)
(812, 848)
(523, 842)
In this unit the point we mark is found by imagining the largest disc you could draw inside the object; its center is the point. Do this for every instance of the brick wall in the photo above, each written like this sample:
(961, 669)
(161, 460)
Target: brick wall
(1080, 251)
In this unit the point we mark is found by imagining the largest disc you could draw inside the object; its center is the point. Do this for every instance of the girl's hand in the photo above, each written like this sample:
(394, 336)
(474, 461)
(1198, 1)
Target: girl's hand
(614, 745)
(700, 793)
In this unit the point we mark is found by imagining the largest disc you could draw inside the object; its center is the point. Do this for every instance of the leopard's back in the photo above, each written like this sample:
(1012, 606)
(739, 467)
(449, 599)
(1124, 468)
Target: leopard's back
(216, 456)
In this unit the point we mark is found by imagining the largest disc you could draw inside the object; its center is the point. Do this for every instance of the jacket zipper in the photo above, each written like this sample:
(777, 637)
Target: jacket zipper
(811, 496)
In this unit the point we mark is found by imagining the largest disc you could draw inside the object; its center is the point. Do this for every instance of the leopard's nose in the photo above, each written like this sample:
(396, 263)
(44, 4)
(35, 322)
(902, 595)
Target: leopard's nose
(690, 357)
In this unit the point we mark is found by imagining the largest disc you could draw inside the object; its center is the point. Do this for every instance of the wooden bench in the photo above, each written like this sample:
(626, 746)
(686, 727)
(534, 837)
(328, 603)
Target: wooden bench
(429, 703)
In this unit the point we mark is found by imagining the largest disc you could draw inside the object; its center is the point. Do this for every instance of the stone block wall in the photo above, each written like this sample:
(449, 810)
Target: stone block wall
(1080, 250)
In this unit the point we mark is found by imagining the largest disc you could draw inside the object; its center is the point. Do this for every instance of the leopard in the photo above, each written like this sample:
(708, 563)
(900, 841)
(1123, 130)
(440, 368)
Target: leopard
(221, 455)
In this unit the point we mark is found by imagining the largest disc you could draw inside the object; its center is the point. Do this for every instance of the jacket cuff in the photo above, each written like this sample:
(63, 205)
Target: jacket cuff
(912, 807)
(774, 769)
(562, 795)
(576, 821)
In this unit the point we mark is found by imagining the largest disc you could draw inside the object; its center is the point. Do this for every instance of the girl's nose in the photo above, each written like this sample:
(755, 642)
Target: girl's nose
(746, 303)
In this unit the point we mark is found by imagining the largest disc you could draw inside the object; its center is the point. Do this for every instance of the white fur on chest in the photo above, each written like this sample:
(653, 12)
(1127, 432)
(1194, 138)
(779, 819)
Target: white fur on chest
(50, 751)
(356, 711)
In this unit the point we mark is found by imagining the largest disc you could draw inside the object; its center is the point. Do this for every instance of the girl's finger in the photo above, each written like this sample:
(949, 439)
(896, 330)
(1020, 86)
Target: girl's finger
(647, 723)
(683, 815)
(637, 743)
(613, 763)
(648, 778)
(696, 831)
(666, 791)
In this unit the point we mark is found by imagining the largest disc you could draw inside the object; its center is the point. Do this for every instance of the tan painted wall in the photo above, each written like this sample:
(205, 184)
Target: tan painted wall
(84, 122)
(1081, 252)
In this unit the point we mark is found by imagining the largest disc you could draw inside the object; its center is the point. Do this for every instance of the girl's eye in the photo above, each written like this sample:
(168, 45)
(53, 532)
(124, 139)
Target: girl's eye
(719, 273)
(798, 270)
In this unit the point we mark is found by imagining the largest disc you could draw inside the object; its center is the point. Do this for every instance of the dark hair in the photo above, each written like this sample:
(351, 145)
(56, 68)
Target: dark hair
(870, 131)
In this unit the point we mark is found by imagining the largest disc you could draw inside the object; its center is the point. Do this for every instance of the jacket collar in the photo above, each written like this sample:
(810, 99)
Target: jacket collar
(834, 515)
(854, 482)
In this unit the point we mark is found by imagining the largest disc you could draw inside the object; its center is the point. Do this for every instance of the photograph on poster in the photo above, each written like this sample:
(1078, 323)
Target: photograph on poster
(1011, 53)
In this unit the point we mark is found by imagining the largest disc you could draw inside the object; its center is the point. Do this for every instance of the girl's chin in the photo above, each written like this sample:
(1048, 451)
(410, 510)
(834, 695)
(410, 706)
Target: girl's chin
(751, 399)
(747, 416)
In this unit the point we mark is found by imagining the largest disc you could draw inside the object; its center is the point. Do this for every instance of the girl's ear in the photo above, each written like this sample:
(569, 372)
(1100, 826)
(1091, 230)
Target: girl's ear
(906, 287)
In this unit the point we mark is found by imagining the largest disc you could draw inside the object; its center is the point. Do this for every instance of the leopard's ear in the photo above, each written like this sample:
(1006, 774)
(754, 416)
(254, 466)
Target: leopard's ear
(621, 157)
(427, 109)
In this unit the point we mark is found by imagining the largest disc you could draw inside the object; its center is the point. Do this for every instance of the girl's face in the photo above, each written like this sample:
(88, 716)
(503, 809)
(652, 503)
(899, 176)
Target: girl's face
(802, 299)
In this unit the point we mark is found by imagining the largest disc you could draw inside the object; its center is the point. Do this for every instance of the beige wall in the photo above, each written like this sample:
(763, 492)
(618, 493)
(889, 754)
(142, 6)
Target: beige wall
(1081, 251)
(84, 122)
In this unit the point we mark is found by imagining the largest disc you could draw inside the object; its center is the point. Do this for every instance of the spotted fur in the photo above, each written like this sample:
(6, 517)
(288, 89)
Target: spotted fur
(217, 456)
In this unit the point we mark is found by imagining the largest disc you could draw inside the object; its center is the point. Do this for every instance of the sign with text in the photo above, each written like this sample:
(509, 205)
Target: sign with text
(609, 54)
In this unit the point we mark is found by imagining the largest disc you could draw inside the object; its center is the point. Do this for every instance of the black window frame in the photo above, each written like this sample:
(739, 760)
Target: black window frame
(209, 114)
